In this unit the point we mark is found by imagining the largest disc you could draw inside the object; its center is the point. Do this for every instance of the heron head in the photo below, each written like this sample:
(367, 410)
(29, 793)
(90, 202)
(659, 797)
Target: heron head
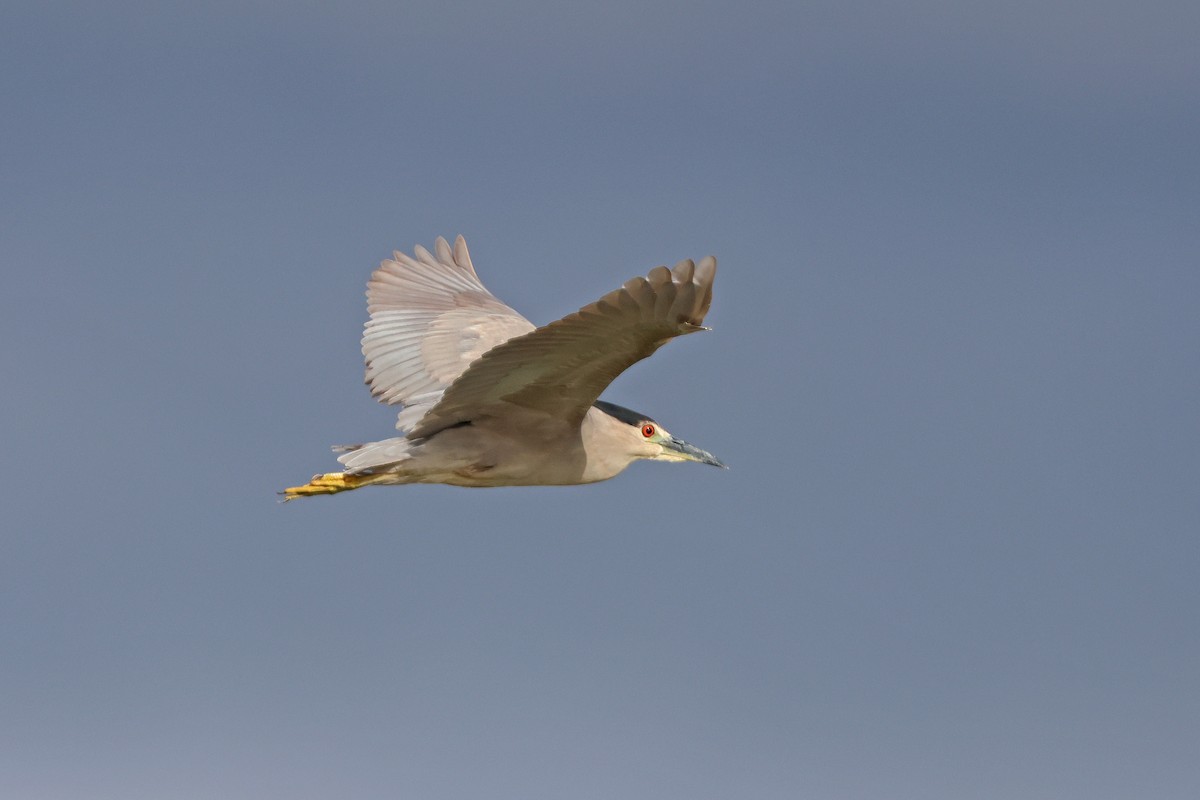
(649, 440)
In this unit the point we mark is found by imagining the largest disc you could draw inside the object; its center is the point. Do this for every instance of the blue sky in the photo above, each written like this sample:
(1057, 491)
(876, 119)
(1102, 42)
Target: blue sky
(954, 370)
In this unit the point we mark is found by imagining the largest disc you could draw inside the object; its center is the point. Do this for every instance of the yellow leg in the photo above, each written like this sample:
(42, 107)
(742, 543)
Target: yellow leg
(329, 483)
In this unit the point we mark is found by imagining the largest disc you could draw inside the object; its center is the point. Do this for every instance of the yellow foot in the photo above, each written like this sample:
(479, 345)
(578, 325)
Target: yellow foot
(329, 483)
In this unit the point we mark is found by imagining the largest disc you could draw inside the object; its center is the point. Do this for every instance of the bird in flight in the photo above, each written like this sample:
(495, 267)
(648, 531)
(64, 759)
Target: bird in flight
(489, 399)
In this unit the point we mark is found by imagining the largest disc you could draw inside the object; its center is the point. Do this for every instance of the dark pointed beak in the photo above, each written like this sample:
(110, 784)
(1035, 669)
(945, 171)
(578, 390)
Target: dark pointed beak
(692, 453)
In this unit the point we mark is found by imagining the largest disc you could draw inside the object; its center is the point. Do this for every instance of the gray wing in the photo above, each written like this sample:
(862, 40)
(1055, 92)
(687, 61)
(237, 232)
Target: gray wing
(560, 369)
(430, 317)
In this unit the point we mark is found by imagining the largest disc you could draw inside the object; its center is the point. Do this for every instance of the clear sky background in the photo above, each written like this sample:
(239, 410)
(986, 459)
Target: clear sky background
(955, 370)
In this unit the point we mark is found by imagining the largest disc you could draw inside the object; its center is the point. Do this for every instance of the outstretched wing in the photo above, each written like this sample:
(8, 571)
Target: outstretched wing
(560, 369)
(430, 317)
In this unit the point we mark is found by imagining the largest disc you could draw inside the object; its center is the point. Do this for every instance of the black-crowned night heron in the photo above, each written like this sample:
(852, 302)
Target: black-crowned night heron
(490, 400)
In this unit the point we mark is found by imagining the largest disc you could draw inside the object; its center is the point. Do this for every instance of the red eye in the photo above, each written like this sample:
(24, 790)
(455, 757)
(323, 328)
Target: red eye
(647, 431)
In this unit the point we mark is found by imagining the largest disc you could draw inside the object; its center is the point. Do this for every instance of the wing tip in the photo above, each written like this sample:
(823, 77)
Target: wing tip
(462, 256)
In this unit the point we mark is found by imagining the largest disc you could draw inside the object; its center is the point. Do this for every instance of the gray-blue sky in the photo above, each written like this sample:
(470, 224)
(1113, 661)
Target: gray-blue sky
(954, 369)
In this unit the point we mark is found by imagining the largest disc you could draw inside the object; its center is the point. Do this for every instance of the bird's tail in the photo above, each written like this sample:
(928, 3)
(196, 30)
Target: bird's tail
(329, 483)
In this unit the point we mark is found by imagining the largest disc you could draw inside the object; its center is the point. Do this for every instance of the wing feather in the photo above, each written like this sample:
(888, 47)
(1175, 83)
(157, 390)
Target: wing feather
(430, 317)
(560, 369)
